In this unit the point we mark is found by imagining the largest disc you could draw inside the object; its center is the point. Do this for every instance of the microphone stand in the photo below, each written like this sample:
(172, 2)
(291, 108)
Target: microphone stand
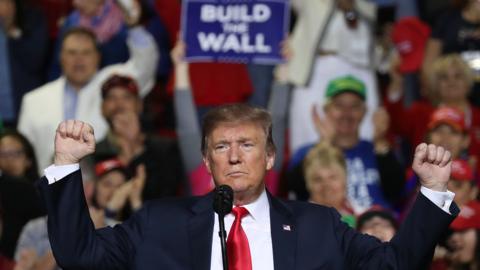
(223, 240)
(222, 204)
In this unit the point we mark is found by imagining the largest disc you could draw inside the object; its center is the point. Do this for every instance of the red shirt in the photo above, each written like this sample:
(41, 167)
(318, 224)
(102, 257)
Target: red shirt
(218, 83)
(169, 12)
(6, 263)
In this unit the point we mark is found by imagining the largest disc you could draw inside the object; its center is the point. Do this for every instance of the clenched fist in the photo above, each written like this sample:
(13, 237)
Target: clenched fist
(73, 141)
(432, 164)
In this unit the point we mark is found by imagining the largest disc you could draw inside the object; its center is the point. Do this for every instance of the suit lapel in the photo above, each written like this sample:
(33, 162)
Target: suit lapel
(284, 235)
(200, 231)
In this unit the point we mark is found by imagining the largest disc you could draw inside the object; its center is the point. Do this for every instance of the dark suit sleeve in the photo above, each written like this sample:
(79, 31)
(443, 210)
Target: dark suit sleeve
(392, 176)
(75, 242)
(411, 248)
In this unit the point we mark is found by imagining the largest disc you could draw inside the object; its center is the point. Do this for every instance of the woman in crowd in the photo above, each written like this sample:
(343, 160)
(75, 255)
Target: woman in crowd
(325, 171)
(17, 158)
(456, 32)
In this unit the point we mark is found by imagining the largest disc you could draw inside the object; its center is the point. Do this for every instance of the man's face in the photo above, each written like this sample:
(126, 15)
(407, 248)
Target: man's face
(79, 59)
(449, 138)
(237, 156)
(119, 100)
(346, 112)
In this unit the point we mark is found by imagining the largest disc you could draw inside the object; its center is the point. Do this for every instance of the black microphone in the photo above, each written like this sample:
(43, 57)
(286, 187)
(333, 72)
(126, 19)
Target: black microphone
(223, 200)
(222, 204)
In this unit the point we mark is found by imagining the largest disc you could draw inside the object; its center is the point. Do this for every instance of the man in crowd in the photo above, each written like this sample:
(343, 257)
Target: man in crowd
(264, 232)
(374, 175)
(76, 95)
(125, 140)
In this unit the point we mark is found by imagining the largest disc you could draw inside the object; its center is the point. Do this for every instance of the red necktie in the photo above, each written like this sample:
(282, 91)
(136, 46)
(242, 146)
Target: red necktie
(238, 249)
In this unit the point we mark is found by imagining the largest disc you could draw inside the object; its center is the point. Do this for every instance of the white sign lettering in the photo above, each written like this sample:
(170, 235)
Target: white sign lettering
(232, 42)
(235, 13)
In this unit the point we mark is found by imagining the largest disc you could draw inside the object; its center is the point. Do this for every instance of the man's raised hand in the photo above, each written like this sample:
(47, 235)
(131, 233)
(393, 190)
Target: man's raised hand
(432, 164)
(73, 141)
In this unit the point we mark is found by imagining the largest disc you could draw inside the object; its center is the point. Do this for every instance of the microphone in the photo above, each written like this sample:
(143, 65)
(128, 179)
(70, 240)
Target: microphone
(223, 200)
(222, 204)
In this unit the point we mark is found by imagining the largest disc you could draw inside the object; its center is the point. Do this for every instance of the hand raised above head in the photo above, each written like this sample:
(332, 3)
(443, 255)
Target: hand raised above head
(178, 53)
(432, 164)
(182, 78)
(131, 10)
(323, 126)
(73, 141)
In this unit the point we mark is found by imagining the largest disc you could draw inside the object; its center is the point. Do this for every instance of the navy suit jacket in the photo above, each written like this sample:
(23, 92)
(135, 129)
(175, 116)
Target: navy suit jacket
(177, 234)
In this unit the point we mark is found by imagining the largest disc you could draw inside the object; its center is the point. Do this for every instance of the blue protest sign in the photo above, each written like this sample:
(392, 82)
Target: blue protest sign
(235, 30)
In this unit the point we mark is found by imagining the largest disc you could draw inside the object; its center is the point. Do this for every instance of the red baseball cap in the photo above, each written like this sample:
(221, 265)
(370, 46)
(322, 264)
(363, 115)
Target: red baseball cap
(449, 116)
(461, 171)
(116, 80)
(105, 166)
(410, 36)
(468, 218)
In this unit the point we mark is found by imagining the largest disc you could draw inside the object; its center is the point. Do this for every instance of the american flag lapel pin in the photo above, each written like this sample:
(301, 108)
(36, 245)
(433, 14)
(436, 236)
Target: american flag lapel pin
(287, 227)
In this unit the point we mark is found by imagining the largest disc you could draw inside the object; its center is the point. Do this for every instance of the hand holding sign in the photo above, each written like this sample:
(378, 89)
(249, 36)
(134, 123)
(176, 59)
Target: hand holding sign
(182, 79)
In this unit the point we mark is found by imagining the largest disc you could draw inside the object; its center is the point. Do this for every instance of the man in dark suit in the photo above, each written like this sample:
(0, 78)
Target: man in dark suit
(265, 233)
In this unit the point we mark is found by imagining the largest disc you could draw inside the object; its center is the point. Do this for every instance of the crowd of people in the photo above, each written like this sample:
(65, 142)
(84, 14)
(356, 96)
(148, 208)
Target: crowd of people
(362, 84)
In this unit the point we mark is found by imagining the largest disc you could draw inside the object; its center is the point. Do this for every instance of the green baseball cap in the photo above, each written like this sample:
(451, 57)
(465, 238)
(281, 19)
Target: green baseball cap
(345, 84)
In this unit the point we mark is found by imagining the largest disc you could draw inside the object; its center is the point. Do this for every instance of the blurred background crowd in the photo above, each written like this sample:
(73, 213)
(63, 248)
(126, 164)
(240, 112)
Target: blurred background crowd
(363, 83)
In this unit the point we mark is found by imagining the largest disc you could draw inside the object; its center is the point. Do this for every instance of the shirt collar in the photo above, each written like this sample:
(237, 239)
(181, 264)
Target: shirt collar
(69, 88)
(259, 209)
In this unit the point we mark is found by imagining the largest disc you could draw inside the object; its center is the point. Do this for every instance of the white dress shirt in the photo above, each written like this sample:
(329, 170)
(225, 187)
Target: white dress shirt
(256, 224)
(257, 228)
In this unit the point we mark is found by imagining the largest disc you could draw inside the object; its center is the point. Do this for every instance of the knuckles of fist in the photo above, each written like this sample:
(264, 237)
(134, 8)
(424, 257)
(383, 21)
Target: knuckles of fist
(74, 129)
(433, 154)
